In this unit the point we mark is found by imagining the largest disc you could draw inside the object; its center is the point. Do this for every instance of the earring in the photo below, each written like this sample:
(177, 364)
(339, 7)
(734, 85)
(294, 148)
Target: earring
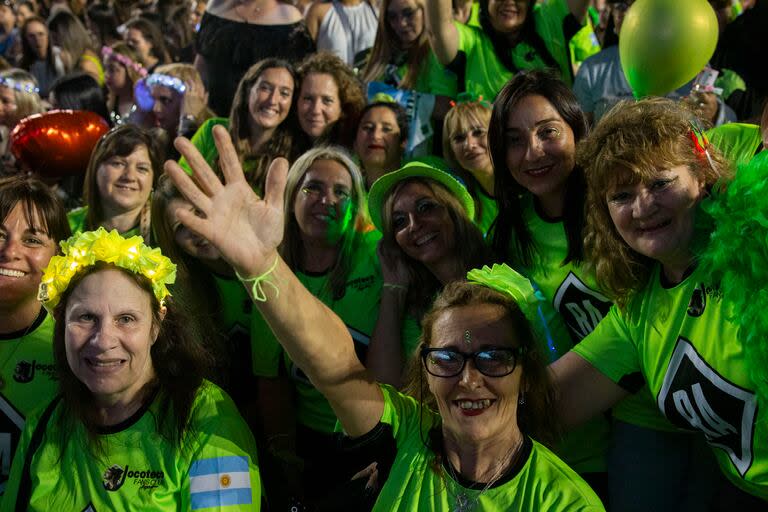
(521, 400)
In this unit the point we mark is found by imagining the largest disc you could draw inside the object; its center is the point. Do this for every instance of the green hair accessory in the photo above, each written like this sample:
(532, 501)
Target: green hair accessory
(469, 97)
(735, 257)
(83, 250)
(504, 279)
(382, 97)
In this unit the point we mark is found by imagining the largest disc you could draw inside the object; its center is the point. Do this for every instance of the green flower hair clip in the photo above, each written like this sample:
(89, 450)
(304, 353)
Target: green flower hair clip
(504, 279)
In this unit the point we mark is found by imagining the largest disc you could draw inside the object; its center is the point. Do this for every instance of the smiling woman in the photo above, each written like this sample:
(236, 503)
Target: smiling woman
(380, 140)
(649, 174)
(332, 250)
(119, 180)
(33, 223)
(129, 372)
(262, 122)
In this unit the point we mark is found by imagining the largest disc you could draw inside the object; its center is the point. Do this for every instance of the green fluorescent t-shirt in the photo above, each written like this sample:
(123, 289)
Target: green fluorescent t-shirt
(358, 309)
(540, 481)
(485, 74)
(76, 220)
(683, 342)
(27, 382)
(215, 468)
(575, 306)
(486, 209)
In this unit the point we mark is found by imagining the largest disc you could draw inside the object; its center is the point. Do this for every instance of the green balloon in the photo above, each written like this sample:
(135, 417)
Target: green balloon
(665, 43)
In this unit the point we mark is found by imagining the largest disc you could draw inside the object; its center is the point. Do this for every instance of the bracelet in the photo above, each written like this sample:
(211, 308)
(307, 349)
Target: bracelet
(257, 289)
(393, 286)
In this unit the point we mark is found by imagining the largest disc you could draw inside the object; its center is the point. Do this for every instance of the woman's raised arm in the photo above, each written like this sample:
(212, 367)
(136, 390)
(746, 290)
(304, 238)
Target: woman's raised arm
(443, 36)
(247, 231)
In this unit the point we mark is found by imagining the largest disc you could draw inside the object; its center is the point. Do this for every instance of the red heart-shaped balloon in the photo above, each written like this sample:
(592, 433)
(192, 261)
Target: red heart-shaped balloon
(57, 143)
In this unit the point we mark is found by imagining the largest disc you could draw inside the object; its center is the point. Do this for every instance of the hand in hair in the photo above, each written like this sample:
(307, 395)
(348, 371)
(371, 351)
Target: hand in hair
(195, 99)
(393, 268)
(245, 228)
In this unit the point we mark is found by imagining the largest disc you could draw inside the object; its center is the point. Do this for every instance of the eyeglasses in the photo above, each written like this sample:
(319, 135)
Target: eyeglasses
(448, 362)
(405, 15)
(317, 190)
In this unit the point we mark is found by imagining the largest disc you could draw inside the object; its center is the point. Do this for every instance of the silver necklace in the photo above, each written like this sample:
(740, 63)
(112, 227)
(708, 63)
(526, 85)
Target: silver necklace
(466, 504)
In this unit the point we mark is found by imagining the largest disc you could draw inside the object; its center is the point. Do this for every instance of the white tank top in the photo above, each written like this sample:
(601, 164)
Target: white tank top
(348, 30)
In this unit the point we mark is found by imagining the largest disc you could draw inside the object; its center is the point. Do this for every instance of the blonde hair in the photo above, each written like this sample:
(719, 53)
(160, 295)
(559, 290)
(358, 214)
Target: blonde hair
(462, 118)
(27, 103)
(632, 142)
(189, 75)
(292, 248)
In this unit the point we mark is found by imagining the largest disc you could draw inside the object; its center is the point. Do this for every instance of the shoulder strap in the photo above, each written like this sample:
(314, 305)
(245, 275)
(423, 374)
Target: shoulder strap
(347, 27)
(25, 486)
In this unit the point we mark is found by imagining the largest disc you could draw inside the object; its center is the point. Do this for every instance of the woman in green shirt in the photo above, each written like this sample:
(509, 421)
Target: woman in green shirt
(121, 174)
(480, 364)
(465, 148)
(675, 242)
(136, 426)
(515, 36)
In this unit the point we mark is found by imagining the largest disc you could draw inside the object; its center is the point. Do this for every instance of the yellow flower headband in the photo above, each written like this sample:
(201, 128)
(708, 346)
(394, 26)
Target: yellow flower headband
(85, 249)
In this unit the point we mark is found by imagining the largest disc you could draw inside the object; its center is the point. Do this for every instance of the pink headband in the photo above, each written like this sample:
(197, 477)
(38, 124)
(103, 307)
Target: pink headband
(126, 61)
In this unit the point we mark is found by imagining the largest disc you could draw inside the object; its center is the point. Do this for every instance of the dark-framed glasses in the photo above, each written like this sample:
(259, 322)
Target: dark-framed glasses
(449, 362)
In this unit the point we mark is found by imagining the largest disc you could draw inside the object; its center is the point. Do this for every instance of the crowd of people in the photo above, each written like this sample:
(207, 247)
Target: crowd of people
(378, 255)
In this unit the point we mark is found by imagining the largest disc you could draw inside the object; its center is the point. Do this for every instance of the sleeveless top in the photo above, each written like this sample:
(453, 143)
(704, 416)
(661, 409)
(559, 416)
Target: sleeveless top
(348, 30)
(230, 48)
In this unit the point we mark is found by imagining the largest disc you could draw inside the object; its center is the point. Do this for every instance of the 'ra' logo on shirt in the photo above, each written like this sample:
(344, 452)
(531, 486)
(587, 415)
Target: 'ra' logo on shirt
(581, 307)
(695, 396)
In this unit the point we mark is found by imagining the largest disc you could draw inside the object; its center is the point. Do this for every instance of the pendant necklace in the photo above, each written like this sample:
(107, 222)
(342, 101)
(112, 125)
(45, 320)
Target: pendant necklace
(466, 504)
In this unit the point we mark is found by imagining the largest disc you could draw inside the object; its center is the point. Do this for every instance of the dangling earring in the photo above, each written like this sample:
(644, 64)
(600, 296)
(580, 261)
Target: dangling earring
(521, 400)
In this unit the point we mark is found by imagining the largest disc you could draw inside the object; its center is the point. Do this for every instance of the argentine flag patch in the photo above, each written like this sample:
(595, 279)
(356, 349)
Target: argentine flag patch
(219, 482)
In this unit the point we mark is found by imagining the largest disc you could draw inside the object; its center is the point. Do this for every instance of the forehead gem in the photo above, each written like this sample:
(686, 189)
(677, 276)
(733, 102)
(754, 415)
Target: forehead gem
(467, 337)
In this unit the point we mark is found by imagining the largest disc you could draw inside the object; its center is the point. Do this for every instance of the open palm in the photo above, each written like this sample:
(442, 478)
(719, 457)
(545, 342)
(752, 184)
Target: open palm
(243, 227)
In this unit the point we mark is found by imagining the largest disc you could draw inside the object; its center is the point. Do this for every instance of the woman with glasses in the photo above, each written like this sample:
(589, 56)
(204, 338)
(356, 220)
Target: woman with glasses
(333, 252)
(401, 55)
(516, 35)
(473, 448)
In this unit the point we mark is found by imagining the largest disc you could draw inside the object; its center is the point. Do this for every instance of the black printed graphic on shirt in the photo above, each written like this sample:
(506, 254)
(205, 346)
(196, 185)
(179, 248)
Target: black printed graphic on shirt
(581, 307)
(694, 396)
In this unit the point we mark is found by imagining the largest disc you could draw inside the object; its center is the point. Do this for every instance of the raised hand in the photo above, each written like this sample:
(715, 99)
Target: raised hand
(194, 100)
(243, 227)
(393, 268)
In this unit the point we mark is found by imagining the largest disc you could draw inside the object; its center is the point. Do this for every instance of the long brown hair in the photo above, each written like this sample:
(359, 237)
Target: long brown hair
(510, 227)
(120, 141)
(469, 247)
(387, 50)
(632, 142)
(283, 141)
